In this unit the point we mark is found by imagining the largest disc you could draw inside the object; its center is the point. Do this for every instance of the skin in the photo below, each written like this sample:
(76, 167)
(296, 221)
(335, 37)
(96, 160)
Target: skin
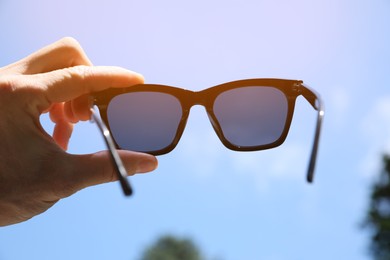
(35, 169)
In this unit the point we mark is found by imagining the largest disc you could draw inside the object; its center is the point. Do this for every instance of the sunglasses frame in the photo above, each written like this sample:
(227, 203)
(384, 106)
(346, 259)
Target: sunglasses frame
(291, 89)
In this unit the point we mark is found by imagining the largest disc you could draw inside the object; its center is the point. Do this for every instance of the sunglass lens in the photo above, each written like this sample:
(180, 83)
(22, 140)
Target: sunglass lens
(251, 116)
(144, 121)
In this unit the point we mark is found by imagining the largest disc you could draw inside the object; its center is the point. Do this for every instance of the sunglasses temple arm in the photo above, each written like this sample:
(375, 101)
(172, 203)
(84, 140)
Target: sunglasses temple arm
(313, 98)
(116, 160)
(314, 151)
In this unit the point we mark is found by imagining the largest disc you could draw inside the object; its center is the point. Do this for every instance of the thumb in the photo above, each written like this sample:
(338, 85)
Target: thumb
(98, 168)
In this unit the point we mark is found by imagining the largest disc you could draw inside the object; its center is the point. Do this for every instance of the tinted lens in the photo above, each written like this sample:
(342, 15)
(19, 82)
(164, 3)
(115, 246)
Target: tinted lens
(251, 116)
(144, 121)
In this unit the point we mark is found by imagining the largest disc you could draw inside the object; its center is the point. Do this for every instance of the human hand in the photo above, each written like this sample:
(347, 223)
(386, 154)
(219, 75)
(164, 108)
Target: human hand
(35, 169)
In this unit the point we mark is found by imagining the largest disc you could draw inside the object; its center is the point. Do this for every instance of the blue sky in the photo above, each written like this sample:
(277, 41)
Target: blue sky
(234, 205)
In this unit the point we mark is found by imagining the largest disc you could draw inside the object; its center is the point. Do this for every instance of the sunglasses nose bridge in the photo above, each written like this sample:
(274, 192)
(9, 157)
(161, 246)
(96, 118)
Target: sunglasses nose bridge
(205, 99)
(200, 98)
(197, 98)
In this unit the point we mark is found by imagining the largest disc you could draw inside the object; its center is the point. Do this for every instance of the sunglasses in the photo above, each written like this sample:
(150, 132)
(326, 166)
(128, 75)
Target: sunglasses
(247, 115)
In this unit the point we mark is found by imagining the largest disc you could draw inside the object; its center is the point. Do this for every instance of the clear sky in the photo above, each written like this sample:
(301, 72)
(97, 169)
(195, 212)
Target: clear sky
(234, 205)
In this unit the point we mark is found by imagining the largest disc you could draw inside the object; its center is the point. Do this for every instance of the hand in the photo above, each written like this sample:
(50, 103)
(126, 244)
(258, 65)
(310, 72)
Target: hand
(35, 170)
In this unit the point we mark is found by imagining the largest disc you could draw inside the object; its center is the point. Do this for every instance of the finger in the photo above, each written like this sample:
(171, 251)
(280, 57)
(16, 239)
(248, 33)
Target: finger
(63, 127)
(98, 168)
(62, 112)
(56, 112)
(72, 111)
(62, 133)
(64, 53)
(81, 108)
(67, 84)
(68, 111)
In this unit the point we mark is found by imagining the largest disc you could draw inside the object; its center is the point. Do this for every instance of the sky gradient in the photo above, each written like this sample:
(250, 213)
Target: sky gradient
(234, 205)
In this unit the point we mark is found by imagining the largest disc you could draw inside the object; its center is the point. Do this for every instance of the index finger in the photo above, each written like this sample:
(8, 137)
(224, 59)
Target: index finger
(67, 84)
(64, 53)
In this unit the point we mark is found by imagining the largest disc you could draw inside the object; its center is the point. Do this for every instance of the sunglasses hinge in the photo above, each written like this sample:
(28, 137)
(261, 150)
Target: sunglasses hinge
(297, 88)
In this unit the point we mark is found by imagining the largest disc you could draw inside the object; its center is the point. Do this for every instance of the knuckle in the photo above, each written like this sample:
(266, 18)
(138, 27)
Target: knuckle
(7, 83)
(108, 173)
(14, 87)
(81, 73)
(21, 91)
(70, 43)
(33, 85)
(70, 47)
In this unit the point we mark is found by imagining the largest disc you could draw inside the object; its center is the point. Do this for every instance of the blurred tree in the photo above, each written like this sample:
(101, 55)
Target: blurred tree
(378, 216)
(169, 247)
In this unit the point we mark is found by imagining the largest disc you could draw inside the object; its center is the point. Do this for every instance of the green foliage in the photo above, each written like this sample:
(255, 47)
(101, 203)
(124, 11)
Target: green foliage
(171, 248)
(378, 217)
